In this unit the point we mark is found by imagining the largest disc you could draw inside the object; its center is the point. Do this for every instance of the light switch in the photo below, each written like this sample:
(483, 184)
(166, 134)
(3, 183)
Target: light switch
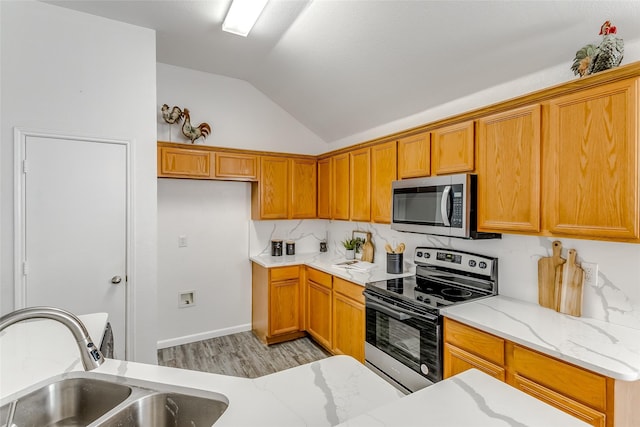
(182, 241)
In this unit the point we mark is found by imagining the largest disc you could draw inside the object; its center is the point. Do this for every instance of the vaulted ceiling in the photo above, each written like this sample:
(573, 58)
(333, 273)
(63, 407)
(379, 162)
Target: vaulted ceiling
(341, 67)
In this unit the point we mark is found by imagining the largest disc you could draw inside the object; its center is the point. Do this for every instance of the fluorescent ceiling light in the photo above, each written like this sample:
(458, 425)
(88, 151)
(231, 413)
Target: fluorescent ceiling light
(242, 16)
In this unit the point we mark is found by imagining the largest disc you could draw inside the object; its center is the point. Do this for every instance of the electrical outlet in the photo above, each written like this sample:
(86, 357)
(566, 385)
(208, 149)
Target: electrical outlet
(590, 274)
(182, 241)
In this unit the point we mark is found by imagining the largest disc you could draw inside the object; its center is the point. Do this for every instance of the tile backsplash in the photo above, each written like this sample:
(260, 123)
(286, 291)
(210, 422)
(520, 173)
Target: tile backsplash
(615, 298)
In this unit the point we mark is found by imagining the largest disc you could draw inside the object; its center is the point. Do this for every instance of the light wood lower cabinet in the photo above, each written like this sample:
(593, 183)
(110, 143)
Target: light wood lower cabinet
(275, 304)
(348, 319)
(330, 309)
(596, 399)
(319, 307)
(457, 360)
(560, 401)
(335, 313)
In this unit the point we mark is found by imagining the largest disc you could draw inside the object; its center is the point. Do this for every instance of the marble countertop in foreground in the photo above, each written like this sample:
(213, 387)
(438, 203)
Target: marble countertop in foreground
(334, 391)
(471, 398)
(34, 350)
(601, 347)
(325, 262)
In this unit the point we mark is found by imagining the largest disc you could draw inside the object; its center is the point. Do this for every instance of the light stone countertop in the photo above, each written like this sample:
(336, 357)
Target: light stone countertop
(471, 398)
(325, 393)
(601, 347)
(325, 262)
(34, 350)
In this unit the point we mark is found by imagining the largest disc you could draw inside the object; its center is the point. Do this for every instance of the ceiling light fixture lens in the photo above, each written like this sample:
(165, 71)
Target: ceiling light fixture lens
(242, 16)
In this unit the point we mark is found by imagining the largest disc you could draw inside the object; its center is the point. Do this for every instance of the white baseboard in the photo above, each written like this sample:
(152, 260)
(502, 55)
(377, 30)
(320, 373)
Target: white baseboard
(202, 336)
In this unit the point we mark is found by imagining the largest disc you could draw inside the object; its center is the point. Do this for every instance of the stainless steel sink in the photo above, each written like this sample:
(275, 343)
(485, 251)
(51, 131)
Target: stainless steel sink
(168, 409)
(69, 402)
(90, 399)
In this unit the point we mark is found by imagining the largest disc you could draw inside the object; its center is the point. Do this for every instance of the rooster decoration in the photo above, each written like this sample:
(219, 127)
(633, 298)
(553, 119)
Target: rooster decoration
(608, 54)
(194, 132)
(175, 115)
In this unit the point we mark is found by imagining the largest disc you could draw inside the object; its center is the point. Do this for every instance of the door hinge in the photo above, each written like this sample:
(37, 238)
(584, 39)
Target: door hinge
(25, 166)
(25, 268)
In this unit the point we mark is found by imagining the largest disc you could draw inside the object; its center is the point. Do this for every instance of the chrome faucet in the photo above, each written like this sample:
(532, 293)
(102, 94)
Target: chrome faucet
(89, 353)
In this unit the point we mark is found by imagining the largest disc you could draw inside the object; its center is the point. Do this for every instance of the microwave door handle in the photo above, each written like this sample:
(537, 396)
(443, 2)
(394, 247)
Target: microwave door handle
(444, 206)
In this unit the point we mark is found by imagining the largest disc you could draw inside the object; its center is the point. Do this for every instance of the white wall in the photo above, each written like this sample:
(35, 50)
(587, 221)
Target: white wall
(73, 73)
(214, 215)
(526, 84)
(239, 115)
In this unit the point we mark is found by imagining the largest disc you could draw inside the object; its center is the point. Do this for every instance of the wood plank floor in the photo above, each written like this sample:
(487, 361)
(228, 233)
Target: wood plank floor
(241, 355)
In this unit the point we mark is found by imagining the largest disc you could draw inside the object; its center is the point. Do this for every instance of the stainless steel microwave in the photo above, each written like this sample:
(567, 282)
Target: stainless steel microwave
(441, 205)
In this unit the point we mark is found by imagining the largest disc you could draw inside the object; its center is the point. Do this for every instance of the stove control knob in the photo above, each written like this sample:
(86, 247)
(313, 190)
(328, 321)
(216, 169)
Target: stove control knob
(418, 254)
(424, 368)
(419, 298)
(427, 255)
(472, 263)
(482, 264)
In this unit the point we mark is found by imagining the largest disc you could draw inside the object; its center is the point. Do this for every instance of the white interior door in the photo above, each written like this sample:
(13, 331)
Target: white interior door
(75, 207)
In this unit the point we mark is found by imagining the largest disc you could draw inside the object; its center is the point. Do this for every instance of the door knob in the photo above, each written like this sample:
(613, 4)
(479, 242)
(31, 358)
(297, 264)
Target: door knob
(116, 279)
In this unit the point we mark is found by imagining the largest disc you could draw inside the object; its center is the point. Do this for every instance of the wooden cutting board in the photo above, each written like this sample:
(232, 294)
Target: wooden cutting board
(547, 276)
(569, 286)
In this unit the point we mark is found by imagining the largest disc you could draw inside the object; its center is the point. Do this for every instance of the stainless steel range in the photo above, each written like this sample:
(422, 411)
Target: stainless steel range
(403, 319)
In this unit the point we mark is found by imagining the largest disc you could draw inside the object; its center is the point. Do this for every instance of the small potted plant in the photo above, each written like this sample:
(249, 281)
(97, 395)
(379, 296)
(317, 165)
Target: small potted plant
(350, 246)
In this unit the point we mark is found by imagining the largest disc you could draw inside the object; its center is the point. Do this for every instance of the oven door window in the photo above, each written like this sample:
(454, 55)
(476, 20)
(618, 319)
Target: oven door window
(399, 339)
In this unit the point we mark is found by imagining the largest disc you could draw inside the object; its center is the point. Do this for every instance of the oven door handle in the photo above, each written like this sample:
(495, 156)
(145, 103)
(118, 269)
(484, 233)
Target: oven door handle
(391, 313)
(396, 312)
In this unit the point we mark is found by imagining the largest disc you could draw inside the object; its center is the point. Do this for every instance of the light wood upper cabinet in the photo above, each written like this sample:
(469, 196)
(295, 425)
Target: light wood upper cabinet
(383, 173)
(270, 196)
(509, 161)
(592, 162)
(453, 149)
(348, 319)
(414, 156)
(236, 166)
(360, 185)
(286, 189)
(183, 163)
(303, 188)
(324, 188)
(340, 191)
